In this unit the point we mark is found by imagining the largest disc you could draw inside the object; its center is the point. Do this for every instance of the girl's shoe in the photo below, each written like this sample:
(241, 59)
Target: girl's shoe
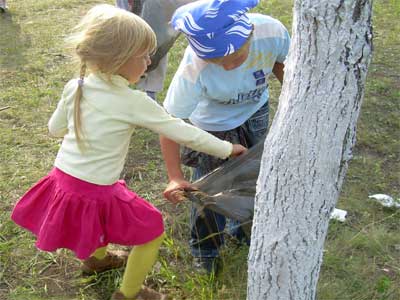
(145, 293)
(113, 260)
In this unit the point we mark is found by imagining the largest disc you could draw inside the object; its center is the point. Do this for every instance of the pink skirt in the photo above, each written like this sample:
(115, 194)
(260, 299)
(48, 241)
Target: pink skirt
(65, 212)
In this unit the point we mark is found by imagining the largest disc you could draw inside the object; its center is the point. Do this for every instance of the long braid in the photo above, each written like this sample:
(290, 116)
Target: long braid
(77, 105)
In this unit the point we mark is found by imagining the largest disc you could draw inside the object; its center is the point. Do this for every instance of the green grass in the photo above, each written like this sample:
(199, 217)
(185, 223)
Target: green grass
(362, 255)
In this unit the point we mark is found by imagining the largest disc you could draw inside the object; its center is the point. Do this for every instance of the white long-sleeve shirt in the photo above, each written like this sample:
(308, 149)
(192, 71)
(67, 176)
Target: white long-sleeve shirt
(110, 111)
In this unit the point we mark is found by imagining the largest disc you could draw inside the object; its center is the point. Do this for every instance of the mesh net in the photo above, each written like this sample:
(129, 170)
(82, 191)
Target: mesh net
(230, 189)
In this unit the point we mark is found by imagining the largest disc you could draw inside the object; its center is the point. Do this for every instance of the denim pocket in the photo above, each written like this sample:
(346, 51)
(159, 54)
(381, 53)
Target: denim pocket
(257, 124)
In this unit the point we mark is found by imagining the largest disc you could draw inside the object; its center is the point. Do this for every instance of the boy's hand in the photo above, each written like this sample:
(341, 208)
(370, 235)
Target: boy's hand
(175, 188)
(237, 150)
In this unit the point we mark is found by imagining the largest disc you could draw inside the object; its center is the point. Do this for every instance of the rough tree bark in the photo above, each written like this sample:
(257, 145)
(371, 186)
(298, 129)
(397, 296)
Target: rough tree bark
(309, 145)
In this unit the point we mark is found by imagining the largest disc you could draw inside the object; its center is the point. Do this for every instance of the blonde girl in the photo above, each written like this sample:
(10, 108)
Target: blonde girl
(81, 204)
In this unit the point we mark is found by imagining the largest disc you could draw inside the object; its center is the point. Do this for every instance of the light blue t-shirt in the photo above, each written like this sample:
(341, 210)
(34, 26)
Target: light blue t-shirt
(217, 100)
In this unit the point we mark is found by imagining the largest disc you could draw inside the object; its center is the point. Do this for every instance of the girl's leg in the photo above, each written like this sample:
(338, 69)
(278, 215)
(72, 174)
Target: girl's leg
(140, 261)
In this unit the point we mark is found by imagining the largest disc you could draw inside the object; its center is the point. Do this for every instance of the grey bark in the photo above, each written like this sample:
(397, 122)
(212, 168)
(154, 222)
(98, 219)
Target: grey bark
(309, 145)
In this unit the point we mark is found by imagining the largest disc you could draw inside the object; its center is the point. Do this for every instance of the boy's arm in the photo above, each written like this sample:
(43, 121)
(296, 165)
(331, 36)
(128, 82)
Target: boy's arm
(283, 46)
(278, 71)
(171, 154)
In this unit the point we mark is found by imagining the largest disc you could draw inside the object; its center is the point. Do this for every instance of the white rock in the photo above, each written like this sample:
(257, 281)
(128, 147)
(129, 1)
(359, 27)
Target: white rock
(339, 214)
(385, 200)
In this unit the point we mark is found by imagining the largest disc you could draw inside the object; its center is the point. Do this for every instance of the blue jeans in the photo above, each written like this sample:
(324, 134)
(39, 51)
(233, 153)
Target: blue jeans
(207, 226)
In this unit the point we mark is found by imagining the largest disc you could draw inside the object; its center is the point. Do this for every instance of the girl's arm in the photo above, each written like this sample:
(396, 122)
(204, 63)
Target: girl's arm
(58, 124)
(174, 131)
(147, 113)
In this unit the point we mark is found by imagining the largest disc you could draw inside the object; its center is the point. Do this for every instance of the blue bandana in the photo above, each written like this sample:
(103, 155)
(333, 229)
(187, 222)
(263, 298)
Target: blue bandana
(215, 28)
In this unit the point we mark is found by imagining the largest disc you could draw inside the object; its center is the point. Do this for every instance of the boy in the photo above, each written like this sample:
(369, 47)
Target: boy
(221, 86)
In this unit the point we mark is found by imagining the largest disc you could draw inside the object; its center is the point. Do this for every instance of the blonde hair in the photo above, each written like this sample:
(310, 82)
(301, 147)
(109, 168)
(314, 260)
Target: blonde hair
(103, 41)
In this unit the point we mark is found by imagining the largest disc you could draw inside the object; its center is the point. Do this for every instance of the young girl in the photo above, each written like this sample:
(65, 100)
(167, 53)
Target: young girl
(81, 205)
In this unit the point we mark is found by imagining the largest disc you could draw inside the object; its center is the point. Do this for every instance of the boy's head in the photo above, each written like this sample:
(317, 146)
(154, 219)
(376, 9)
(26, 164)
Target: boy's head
(216, 29)
(234, 60)
(107, 37)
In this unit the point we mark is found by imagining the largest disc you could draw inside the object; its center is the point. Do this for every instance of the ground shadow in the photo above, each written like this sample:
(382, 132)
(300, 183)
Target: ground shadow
(12, 43)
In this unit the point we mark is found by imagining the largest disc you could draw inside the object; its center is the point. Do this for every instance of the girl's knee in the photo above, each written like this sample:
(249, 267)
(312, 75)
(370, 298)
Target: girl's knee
(159, 239)
(151, 245)
(156, 242)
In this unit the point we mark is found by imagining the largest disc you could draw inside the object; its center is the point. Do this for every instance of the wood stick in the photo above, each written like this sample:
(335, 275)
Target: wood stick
(4, 108)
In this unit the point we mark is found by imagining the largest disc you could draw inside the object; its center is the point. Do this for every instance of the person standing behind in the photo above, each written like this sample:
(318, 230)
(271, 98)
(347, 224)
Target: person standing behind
(221, 86)
(152, 82)
(3, 6)
(81, 204)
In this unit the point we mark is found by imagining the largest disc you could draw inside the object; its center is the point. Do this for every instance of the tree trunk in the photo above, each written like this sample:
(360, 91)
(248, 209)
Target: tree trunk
(309, 145)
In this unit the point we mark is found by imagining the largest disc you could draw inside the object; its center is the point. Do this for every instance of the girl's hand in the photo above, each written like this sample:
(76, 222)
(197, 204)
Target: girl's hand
(237, 150)
(174, 191)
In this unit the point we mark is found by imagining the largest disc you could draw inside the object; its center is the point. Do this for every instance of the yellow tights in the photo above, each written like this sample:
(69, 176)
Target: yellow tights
(100, 253)
(140, 261)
